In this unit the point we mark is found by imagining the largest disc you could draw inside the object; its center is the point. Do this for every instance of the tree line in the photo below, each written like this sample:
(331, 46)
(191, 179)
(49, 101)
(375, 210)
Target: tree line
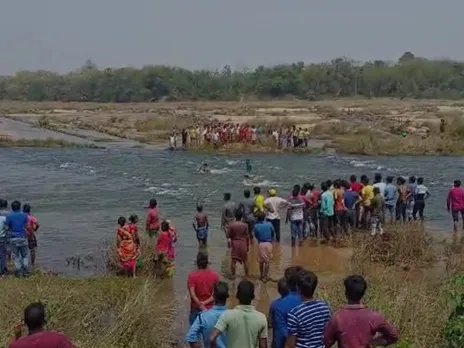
(409, 77)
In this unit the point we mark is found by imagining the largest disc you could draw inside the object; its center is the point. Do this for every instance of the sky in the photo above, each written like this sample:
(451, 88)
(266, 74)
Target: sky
(60, 35)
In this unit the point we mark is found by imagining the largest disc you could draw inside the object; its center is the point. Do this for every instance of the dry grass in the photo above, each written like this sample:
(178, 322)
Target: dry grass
(45, 143)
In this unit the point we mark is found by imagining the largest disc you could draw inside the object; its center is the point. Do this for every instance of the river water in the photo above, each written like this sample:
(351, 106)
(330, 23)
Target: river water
(78, 195)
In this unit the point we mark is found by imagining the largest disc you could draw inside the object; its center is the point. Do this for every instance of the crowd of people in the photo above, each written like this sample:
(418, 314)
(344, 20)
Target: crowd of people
(217, 134)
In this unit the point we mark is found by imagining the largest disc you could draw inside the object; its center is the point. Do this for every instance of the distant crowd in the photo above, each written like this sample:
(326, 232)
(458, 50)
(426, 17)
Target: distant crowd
(218, 134)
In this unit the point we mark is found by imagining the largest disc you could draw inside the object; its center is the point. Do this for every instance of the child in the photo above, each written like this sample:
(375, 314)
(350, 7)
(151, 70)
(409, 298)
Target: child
(133, 220)
(201, 225)
(164, 252)
(31, 229)
(274, 320)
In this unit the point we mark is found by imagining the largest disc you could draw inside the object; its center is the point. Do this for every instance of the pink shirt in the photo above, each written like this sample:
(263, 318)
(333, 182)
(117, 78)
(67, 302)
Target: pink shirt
(354, 326)
(455, 201)
(31, 224)
(153, 219)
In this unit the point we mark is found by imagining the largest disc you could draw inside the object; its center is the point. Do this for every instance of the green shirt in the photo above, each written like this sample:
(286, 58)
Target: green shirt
(244, 326)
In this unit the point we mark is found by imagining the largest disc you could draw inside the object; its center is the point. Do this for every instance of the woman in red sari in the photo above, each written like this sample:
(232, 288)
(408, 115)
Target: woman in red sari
(127, 248)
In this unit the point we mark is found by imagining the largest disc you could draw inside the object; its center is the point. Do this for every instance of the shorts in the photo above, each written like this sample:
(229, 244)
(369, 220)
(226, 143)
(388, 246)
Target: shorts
(202, 233)
(455, 214)
(32, 242)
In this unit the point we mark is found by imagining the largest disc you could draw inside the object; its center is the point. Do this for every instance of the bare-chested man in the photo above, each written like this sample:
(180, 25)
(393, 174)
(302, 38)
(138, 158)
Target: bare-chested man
(201, 225)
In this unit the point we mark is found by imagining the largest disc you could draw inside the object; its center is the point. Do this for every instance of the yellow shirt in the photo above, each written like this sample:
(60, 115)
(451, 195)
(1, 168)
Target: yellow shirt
(367, 193)
(259, 201)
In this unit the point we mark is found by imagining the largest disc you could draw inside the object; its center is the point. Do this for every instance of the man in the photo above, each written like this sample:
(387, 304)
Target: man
(244, 326)
(263, 232)
(350, 198)
(327, 212)
(455, 203)
(306, 217)
(412, 187)
(16, 223)
(339, 206)
(314, 196)
(238, 240)
(295, 216)
(258, 201)
(378, 183)
(378, 212)
(274, 319)
(354, 325)
(34, 318)
(200, 285)
(228, 212)
(367, 193)
(355, 186)
(273, 204)
(247, 207)
(391, 198)
(201, 225)
(422, 193)
(3, 236)
(204, 323)
(306, 322)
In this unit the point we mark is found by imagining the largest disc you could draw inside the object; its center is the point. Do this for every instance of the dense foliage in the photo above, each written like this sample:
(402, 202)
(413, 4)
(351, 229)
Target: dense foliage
(409, 77)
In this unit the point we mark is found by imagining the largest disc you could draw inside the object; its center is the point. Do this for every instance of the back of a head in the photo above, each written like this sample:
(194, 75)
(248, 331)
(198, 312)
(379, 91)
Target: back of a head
(363, 177)
(355, 287)
(376, 190)
(122, 221)
(227, 196)
(389, 179)
(365, 180)
(412, 179)
(34, 316)
(457, 183)
(202, 260)
(238, 214)
(164, 226)
(420, 181)
(291, 275)
(221, 293)
(256, 190)
(346, 185)
(329, 183)
(324, 186)
(199, 207)
(3, 204)
(296, 188)
(245, 292)
(307, 283)
(377, 177)
(133, 218)
(16, 206)
(153, 203)
(27, 208)
(246, 193)
(282, 287)
(295, 192)
(353, 178)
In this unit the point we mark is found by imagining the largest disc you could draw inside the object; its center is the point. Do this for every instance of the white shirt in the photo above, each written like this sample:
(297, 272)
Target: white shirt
(381, 186)
(276, 203)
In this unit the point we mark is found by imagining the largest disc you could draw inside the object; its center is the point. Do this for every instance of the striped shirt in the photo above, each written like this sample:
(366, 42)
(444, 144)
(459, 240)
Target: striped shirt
(307, 322)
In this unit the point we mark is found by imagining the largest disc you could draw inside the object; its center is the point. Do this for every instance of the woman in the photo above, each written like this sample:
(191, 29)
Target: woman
(127, 248)
(153, 225)
(133, 220)
(164, 251)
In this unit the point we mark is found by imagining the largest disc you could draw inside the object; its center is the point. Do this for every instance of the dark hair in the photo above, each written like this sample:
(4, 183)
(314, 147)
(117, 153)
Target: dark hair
(311, 187)
(27, 208)
(400, 180)
(245, 292)
(164, 226)
(221, 293)
(256, 190)
(297, 187)
(34, 316)
(202, 260)
(133, 218)
(282, 287)
(353, 178)
(3, 204)
(295, 192)
(355, 287)
(199, 207)
(246, 193)
(457, 183)
(336, 184)
(363, 177)
(365, 180)
(329, 183)
(122, 221)
(291, 275)
(389, 179)
(153, 203)
(376, 190)
(324, 186)
(16, 206)
(346, 185)
(238, 214)
(420, 180)
(377, 177)
(261, 217)
(307, 283)
(412, 179)
(227, 196)
(304, 190)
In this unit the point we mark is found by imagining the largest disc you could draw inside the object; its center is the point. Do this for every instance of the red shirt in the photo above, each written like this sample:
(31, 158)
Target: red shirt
(354, 326)
(315, 196)
(203, 282)
(356, 187)
(133, 229)
(455, 201)
(43, 340)
(163, 243)
(153, 219)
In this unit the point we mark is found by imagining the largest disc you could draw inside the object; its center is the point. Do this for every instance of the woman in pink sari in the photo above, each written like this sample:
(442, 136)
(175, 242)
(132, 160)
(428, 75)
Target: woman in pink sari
(127, 248)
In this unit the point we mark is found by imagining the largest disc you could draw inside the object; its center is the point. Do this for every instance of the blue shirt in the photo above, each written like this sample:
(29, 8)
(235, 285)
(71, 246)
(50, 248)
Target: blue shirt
(263, 232)
(327, 203)
(307, 322)
(16, 222)
(203, 326)
(279, 312)
(390, 194)
(350, 198)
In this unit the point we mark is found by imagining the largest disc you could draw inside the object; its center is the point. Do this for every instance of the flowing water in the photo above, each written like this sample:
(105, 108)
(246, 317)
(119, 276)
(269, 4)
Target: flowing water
(78, 195)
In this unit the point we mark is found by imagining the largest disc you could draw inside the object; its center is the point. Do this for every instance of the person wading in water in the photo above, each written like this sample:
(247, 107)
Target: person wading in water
(201, 225)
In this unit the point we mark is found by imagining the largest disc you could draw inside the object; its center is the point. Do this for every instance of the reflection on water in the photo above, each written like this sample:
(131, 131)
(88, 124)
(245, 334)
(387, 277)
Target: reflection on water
(78, 195)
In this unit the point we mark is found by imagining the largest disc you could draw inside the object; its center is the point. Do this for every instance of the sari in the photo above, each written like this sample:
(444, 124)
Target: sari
(164, 254)
(127, 249)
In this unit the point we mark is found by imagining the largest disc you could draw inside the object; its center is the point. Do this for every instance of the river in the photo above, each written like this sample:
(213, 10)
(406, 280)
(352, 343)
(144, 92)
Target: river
(78, 195)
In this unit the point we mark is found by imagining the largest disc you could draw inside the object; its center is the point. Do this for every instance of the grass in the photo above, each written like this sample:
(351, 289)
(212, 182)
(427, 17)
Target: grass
(42, 143)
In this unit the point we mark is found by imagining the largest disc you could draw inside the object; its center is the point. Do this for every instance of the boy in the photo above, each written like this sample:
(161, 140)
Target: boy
(201, 225)
(264, 231)
(276, 321)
